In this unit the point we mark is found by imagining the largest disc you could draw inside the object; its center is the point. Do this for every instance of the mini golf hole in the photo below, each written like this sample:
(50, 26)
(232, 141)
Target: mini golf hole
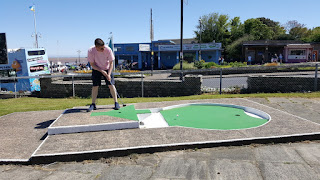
(214, 116)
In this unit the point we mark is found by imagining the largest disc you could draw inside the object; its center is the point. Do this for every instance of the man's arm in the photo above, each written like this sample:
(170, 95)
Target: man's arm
(110, 67)
(95, 67)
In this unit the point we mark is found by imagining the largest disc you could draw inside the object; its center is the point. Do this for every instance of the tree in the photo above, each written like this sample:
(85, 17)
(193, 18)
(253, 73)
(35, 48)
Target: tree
(275, 27)
(300, 33)
(315, 35)
(293, 24)
(215, 27)
(257, 29)
(285, 37)
(234, 50)
(237, 29)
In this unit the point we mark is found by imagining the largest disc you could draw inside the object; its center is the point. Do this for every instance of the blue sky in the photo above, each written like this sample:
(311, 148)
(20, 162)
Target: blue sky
(67, 26)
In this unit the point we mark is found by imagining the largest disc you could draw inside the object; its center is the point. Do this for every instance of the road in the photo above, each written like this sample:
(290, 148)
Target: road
(226, 82)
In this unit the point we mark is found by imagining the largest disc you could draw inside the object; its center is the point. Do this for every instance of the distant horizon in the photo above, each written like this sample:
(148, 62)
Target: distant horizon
(68, 59)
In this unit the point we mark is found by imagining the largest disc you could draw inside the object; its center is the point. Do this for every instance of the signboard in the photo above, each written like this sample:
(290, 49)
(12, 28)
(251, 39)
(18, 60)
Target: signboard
(144, 47)
(3, 49)
(190, 47)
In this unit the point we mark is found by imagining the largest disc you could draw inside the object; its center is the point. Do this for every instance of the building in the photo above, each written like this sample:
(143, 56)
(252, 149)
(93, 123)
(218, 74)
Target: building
(296, 53)
(292, 51)
(165, 53)
(316, 51)
(21, 63)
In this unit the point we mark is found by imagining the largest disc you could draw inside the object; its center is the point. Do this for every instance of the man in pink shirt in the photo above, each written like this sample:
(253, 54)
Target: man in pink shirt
(101, 59)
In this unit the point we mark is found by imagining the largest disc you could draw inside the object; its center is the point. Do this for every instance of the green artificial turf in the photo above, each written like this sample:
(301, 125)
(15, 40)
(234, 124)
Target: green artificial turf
(127, 112)
(211, 117)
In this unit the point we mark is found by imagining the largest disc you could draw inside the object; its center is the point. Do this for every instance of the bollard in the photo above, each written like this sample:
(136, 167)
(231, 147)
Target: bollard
(15, 87)
(142, 93)
(221, 81)
(73, 90)
(316, 78)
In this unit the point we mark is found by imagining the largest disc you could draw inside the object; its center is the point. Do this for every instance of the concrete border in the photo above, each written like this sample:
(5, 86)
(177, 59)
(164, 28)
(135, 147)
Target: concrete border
(105, 153)
(93, 127)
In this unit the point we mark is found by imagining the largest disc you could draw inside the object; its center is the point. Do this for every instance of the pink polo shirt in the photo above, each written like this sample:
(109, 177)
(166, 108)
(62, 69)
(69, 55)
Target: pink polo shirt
(101, 59)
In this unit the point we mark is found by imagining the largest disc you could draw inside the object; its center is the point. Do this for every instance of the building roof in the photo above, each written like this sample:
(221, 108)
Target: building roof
(185, 41)
(299, 46)
(271, 42)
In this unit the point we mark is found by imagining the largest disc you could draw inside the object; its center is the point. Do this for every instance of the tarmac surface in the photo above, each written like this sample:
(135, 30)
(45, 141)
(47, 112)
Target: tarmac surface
(124, 154)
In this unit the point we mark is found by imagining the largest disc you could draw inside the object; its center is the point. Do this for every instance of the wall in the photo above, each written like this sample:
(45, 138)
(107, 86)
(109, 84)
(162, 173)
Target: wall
(169, 59)
(57, 88)
(281, 84)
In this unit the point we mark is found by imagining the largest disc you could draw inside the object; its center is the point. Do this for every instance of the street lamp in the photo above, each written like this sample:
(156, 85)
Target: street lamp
(200, 21)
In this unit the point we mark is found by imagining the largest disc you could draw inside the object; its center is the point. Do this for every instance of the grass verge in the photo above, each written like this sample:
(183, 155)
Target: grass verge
(24, 104)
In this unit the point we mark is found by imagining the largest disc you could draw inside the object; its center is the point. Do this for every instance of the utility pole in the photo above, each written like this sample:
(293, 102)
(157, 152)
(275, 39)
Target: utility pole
(181, 38)
(151, 38)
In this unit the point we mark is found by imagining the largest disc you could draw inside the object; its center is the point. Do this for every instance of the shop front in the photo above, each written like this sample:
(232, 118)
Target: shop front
(296, 53)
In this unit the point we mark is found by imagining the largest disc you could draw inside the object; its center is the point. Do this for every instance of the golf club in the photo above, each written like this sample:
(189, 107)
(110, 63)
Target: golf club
(124, 105)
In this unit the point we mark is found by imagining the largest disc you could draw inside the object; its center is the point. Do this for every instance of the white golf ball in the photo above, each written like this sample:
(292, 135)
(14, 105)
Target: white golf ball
(177, 115)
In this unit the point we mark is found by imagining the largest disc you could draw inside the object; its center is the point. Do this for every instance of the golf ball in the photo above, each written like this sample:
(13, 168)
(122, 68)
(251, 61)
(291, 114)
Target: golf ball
(177, 115)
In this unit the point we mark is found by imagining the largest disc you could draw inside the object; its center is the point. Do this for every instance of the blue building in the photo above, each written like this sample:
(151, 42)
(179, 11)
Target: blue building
(166, 53)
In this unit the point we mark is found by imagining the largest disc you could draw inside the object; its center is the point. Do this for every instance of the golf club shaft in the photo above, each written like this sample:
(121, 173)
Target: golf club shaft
(117, 93)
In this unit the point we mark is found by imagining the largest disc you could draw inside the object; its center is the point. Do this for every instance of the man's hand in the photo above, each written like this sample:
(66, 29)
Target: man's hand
(106, 75)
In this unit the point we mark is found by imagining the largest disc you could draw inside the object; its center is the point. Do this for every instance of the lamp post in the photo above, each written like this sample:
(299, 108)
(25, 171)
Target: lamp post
(200, 21)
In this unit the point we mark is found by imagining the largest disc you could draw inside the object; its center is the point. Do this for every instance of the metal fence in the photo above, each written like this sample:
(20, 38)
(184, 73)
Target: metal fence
(250, 79)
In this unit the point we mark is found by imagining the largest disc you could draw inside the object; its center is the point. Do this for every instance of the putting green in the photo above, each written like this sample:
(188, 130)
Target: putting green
(211, 117)
(127, 112)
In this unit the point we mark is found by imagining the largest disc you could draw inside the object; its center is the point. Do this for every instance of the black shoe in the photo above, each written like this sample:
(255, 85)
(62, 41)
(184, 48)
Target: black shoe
(116, 106)
(92, 107)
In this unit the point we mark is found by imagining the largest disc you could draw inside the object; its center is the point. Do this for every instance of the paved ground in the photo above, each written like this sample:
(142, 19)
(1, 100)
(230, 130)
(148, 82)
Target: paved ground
(300, 160)
(281, 161)
(22, 132)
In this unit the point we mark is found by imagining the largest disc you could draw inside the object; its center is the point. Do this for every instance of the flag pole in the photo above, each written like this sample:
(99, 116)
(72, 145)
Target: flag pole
(112, 46)
(32, 8)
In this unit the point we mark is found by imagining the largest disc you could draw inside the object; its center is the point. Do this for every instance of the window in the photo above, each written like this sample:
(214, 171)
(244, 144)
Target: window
(118, 49)
(298, 52)
(35, 53)
(8, 73)
(129, 48)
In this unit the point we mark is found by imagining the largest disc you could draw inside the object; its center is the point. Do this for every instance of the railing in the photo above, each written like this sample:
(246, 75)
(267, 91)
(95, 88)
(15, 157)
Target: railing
(250, 79)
